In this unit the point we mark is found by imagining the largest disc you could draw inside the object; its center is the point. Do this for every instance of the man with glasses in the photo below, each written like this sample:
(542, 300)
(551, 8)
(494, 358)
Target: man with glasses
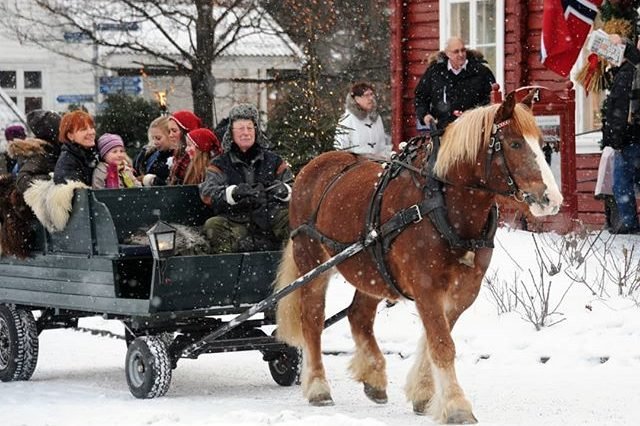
(456, 80)
(360, 129)
(248, 189)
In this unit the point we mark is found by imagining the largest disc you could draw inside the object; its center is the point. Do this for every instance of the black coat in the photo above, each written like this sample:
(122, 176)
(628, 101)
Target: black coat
(75, 163)
(151, 161)
(616, 130)
(440, 92)
(256, 166)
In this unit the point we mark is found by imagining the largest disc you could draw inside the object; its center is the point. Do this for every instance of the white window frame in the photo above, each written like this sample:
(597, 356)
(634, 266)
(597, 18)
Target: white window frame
(445, 34)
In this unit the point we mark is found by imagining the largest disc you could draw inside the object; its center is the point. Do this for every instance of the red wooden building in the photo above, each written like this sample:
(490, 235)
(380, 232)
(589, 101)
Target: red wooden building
(508, 33)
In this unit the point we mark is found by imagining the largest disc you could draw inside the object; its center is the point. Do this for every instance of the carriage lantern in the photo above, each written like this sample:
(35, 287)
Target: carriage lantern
(162, 238)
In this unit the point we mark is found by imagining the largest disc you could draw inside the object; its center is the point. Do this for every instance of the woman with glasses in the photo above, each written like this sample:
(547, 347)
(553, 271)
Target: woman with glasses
(248, 189)
(456, 79)
(360, 129)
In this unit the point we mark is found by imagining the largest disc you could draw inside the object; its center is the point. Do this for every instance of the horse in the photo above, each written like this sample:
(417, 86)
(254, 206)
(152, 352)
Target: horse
(428, 218)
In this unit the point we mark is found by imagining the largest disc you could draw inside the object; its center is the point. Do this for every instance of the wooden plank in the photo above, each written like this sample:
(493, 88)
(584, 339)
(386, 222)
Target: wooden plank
(78, 287)
(99, 305)
(587, 161)
(47, 273)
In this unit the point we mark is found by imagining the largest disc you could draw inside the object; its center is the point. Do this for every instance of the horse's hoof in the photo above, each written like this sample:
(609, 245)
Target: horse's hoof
(460, 417)
(322, 400)
(420, 407)
(379, 396)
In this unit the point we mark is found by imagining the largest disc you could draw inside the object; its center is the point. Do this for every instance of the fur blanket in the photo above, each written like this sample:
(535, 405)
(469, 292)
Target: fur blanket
(189, 240)
(52, 203)
(16, 231)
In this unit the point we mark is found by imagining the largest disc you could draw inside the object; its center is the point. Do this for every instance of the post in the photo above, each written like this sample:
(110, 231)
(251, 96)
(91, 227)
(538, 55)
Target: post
(94, 63)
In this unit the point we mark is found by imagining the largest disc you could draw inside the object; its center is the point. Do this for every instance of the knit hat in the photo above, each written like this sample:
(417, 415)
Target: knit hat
(205, 140)
(244, 112)
(187, 120)
(14, 131)
(107, 142)
(44, 124)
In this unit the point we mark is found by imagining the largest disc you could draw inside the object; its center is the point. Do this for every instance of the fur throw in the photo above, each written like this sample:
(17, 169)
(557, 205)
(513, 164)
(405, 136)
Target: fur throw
(189, 241)
(441, 56)
(52, 203)
(16, 234)
(352, 106)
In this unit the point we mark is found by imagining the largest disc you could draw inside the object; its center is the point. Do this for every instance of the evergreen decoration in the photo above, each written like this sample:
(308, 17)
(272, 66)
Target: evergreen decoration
(127, 116)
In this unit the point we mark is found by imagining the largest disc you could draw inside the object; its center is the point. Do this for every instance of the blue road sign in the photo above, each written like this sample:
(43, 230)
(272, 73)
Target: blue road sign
(76, 37)
(74, 99)
(117, 26)
(126, 85)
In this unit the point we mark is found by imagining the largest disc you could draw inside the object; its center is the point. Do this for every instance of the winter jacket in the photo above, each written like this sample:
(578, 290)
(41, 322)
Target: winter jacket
(75, 163)
(256, 166)
(36, 159)
(123, 177)
(360, 132)
(440, 92)
(153, 162)
(616, 130)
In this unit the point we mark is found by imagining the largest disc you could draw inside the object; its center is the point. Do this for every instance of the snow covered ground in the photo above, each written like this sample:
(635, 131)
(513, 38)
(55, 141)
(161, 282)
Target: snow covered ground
(591, 375)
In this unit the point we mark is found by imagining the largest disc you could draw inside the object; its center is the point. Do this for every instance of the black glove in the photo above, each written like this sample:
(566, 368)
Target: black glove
(246, 195)
(278, 190)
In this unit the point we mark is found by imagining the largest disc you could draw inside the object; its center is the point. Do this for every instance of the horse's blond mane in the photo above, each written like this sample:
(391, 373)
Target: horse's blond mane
(464, 138)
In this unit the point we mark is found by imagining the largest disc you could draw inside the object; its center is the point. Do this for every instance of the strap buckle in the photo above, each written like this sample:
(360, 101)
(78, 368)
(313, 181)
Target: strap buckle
(417, 208)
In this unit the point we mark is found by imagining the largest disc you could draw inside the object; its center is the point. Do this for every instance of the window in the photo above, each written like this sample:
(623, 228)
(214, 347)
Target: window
(32, 80)
(8, 79)
(480, 23)
(31, 103)
(25, 87)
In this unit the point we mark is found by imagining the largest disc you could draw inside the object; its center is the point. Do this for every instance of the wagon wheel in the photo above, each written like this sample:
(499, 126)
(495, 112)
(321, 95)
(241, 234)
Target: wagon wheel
(285, 366)
(18, 344)
(148, 367)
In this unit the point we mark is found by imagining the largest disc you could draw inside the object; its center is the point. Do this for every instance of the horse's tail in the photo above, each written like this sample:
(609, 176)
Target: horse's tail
(288, 314)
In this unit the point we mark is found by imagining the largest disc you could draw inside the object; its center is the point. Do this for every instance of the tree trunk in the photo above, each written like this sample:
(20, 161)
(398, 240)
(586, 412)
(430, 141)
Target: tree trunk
(202, 81)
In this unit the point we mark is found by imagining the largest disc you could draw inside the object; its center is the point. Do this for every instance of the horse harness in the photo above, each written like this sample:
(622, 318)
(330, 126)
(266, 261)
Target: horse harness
(378, 237)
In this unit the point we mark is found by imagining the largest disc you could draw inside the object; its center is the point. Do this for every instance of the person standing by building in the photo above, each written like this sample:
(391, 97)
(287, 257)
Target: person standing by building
(621, 131)
(456, 80)
(360, 129)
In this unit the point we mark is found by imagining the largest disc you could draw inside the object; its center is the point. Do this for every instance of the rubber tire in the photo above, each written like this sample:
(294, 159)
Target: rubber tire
(285, 367)
(18, 344)
(148, 367)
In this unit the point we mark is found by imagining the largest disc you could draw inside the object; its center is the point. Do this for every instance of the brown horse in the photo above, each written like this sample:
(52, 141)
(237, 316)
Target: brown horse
(487, 151)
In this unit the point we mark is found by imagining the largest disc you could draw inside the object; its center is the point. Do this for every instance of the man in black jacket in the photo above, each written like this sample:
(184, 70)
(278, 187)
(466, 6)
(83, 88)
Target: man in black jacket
(455, 80)
(248, 189)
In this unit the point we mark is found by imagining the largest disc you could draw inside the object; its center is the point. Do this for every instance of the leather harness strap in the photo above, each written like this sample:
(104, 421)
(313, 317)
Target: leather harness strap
(378, 237)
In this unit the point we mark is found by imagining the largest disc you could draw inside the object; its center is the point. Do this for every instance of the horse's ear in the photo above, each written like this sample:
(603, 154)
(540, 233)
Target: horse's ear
(532, 97)
(506, 109)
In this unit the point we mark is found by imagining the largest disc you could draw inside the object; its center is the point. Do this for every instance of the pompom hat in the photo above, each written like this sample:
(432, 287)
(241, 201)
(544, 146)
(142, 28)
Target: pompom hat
(205, 140)
(107, 142)
(187, 120)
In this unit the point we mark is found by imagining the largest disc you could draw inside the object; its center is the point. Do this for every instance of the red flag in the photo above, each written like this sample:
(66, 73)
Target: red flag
(565, 26)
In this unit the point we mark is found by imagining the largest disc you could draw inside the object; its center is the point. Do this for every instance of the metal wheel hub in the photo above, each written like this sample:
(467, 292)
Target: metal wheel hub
(137, 369)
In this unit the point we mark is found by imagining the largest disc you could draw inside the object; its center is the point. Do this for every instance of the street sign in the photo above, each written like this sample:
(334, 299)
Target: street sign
(74, 99)
(76, 37)
(125, 85)
(117, 26)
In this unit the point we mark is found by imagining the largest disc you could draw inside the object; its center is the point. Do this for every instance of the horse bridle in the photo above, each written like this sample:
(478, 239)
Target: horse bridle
(495, 149)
